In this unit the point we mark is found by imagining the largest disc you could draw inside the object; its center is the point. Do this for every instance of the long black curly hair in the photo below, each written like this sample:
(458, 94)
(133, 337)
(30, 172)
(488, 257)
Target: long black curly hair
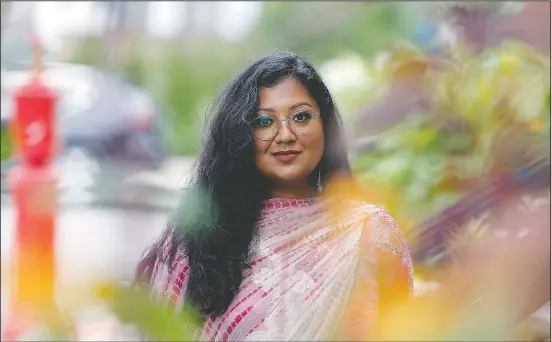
(218, 234)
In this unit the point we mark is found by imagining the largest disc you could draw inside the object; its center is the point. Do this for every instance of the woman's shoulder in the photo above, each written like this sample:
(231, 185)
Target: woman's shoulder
(371, 212)
(384, 243)
(381, 229)
(171, 263)
(170, 251)
(365, 207)
(171, 247)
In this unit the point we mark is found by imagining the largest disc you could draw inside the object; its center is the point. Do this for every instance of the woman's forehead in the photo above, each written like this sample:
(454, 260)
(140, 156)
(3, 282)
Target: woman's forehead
(285, 96)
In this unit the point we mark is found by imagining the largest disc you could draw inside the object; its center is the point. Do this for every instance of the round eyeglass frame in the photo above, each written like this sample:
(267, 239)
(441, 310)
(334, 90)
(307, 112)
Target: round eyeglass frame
(316, 116)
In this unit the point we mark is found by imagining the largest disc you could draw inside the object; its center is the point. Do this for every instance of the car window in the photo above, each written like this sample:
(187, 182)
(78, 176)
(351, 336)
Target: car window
(14, 50)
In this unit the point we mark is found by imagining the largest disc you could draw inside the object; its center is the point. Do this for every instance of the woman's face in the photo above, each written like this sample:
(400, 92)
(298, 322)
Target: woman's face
(288, 135)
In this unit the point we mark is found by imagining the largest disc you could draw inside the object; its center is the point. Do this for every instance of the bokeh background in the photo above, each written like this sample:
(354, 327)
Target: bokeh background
(446, 107)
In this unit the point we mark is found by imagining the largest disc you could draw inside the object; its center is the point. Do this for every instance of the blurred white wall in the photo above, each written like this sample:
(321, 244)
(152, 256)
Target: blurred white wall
(236, 19)
(230, 20)
(166, 19)
(55, 21)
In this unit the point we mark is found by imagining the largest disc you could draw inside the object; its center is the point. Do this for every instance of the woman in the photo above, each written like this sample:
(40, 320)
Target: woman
(261, 258)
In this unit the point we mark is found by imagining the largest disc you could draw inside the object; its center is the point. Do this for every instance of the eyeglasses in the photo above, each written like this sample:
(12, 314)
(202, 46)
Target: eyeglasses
(266, 127)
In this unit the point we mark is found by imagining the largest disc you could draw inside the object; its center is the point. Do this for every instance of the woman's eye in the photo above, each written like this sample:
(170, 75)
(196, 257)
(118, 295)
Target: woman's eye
(302, 116)
(263, 122)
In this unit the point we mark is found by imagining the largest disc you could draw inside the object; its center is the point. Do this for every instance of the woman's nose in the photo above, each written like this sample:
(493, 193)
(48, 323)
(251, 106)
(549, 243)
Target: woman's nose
(285, 134)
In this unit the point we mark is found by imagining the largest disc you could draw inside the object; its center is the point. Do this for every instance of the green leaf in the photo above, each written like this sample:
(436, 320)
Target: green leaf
(153, 319)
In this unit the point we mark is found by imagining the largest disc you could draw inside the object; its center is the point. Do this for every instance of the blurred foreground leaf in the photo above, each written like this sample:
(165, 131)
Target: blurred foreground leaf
(152, 318)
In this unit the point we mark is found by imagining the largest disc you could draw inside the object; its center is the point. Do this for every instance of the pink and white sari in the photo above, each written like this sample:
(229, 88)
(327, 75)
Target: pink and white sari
(308, 274)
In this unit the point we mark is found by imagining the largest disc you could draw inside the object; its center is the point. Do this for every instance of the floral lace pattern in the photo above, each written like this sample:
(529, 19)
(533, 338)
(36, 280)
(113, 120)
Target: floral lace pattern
(282, 203)
(386, 235)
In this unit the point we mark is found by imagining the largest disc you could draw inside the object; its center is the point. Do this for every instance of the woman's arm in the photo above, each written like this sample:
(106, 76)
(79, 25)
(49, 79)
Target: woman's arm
(394, 265)
(383, 279)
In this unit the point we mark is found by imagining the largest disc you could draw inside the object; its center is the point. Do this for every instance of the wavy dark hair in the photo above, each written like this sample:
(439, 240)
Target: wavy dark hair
(232, 190)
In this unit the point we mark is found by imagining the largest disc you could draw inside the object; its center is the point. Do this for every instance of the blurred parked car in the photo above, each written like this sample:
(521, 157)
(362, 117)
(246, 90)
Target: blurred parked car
(101, 116)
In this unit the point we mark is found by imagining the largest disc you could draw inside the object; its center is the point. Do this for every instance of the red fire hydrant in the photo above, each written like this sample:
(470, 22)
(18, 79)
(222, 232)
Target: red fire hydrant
(34, 185)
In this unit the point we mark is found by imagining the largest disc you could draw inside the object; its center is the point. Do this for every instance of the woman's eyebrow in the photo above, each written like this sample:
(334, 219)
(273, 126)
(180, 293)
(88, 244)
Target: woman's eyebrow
(298, 104)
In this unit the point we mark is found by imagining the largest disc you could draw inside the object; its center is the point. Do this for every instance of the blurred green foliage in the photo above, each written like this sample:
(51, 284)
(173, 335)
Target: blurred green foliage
(132, 306)
(6, 143)
(89, 52)
(490, 114)
(411, 161)
(323, 30)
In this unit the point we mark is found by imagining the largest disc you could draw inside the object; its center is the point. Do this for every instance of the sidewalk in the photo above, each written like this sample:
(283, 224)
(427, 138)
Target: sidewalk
(173, 174)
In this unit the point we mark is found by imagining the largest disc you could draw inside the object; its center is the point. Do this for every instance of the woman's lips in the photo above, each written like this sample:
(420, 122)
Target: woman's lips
(286, 156)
